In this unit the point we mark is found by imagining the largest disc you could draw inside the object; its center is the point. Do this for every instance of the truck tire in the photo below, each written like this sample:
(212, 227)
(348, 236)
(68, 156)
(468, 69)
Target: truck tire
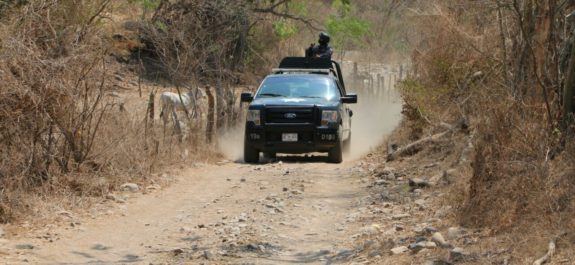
(335, 154)
(251, 155)
(270, 155)
(347, 145)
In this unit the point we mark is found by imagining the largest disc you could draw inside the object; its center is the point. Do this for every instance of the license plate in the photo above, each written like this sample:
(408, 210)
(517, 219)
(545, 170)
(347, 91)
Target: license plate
(289, 137)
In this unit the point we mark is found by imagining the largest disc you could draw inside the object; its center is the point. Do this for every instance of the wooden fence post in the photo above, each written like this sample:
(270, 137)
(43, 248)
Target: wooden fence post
(210, 118)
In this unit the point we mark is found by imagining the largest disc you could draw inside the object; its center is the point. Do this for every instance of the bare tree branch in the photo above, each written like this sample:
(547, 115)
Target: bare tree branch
(273, 11)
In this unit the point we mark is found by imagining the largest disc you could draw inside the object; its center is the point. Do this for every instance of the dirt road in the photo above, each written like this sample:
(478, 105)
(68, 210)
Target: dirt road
(293, 210)
(280, 212)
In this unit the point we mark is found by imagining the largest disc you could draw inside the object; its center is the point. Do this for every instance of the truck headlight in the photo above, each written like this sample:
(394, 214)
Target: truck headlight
(328, 116)
(254, 116)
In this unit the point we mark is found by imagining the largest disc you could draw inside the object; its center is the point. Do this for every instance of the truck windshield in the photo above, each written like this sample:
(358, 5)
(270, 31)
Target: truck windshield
(290, 86)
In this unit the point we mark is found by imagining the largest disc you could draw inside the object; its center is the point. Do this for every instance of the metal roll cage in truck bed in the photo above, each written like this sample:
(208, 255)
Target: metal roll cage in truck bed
(311, 65)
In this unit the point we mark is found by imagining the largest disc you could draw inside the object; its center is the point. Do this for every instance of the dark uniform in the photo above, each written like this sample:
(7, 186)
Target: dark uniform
(323, 50)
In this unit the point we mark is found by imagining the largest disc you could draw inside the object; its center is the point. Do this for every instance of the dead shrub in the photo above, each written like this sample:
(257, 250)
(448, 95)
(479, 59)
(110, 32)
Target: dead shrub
(56, 118)
(485, 64)
(510, 169)
(51, 101)
(198, 42)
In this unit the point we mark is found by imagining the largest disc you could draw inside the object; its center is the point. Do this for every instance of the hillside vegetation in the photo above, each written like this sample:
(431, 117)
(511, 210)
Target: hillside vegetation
(76, 75)
(505, 69)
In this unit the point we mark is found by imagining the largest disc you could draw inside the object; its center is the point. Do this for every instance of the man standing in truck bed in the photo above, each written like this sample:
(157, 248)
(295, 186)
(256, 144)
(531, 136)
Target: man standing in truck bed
(322, 50)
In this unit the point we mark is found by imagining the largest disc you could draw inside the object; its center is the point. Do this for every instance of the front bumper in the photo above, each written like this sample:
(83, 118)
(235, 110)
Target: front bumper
(311, 138)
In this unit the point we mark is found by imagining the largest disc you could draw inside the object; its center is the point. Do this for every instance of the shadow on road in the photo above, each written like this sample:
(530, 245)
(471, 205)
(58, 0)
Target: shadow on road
(291, 159)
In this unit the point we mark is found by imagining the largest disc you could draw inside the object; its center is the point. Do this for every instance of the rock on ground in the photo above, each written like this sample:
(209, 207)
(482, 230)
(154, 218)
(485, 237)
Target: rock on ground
(454, 233)
(399, 250)
(439, 240)
(459, 254)
(132, 187)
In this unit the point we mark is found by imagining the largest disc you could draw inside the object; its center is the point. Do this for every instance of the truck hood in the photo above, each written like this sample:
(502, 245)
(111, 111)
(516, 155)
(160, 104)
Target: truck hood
(280, 101)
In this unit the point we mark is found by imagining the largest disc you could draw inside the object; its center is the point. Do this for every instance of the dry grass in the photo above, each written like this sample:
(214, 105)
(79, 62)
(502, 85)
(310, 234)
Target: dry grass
(519, 185)
(64, 132)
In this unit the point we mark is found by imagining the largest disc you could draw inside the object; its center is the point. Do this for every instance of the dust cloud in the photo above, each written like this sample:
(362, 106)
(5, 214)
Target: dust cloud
(378, 111)
(231, 142)
(375, 116)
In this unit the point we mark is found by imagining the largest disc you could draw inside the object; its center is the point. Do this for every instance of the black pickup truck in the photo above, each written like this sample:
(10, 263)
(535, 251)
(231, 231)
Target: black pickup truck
(300, 108)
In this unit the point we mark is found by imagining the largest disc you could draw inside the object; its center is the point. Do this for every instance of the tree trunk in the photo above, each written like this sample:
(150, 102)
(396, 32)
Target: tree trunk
(541, 34)
(502, 39)
(569, 87)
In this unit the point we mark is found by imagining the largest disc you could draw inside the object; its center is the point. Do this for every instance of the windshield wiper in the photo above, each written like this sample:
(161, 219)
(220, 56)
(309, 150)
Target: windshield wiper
(271, 95)
(309, 97)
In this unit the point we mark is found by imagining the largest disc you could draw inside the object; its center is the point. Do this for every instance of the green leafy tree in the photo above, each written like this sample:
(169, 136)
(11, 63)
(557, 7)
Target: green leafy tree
(284, 29)
(288, 12)
(345, 28)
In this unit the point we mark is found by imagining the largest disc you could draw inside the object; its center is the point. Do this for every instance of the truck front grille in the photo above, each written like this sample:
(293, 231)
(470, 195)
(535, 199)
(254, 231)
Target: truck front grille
(290, 115)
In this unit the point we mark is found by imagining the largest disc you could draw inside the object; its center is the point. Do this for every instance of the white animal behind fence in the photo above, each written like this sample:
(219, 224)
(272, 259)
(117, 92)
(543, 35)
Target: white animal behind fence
(171, 103)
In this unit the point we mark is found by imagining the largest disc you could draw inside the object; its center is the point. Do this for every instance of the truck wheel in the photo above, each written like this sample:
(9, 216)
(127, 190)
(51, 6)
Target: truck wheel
(251, 155)
(347, 145)
(270, 155)
(335, 154)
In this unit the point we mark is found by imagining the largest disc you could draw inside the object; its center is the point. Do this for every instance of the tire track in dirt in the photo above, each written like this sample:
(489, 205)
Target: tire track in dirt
(275, 212)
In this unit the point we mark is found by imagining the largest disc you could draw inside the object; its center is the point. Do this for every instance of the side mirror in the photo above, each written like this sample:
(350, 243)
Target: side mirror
(246, 97)
(349, 99)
